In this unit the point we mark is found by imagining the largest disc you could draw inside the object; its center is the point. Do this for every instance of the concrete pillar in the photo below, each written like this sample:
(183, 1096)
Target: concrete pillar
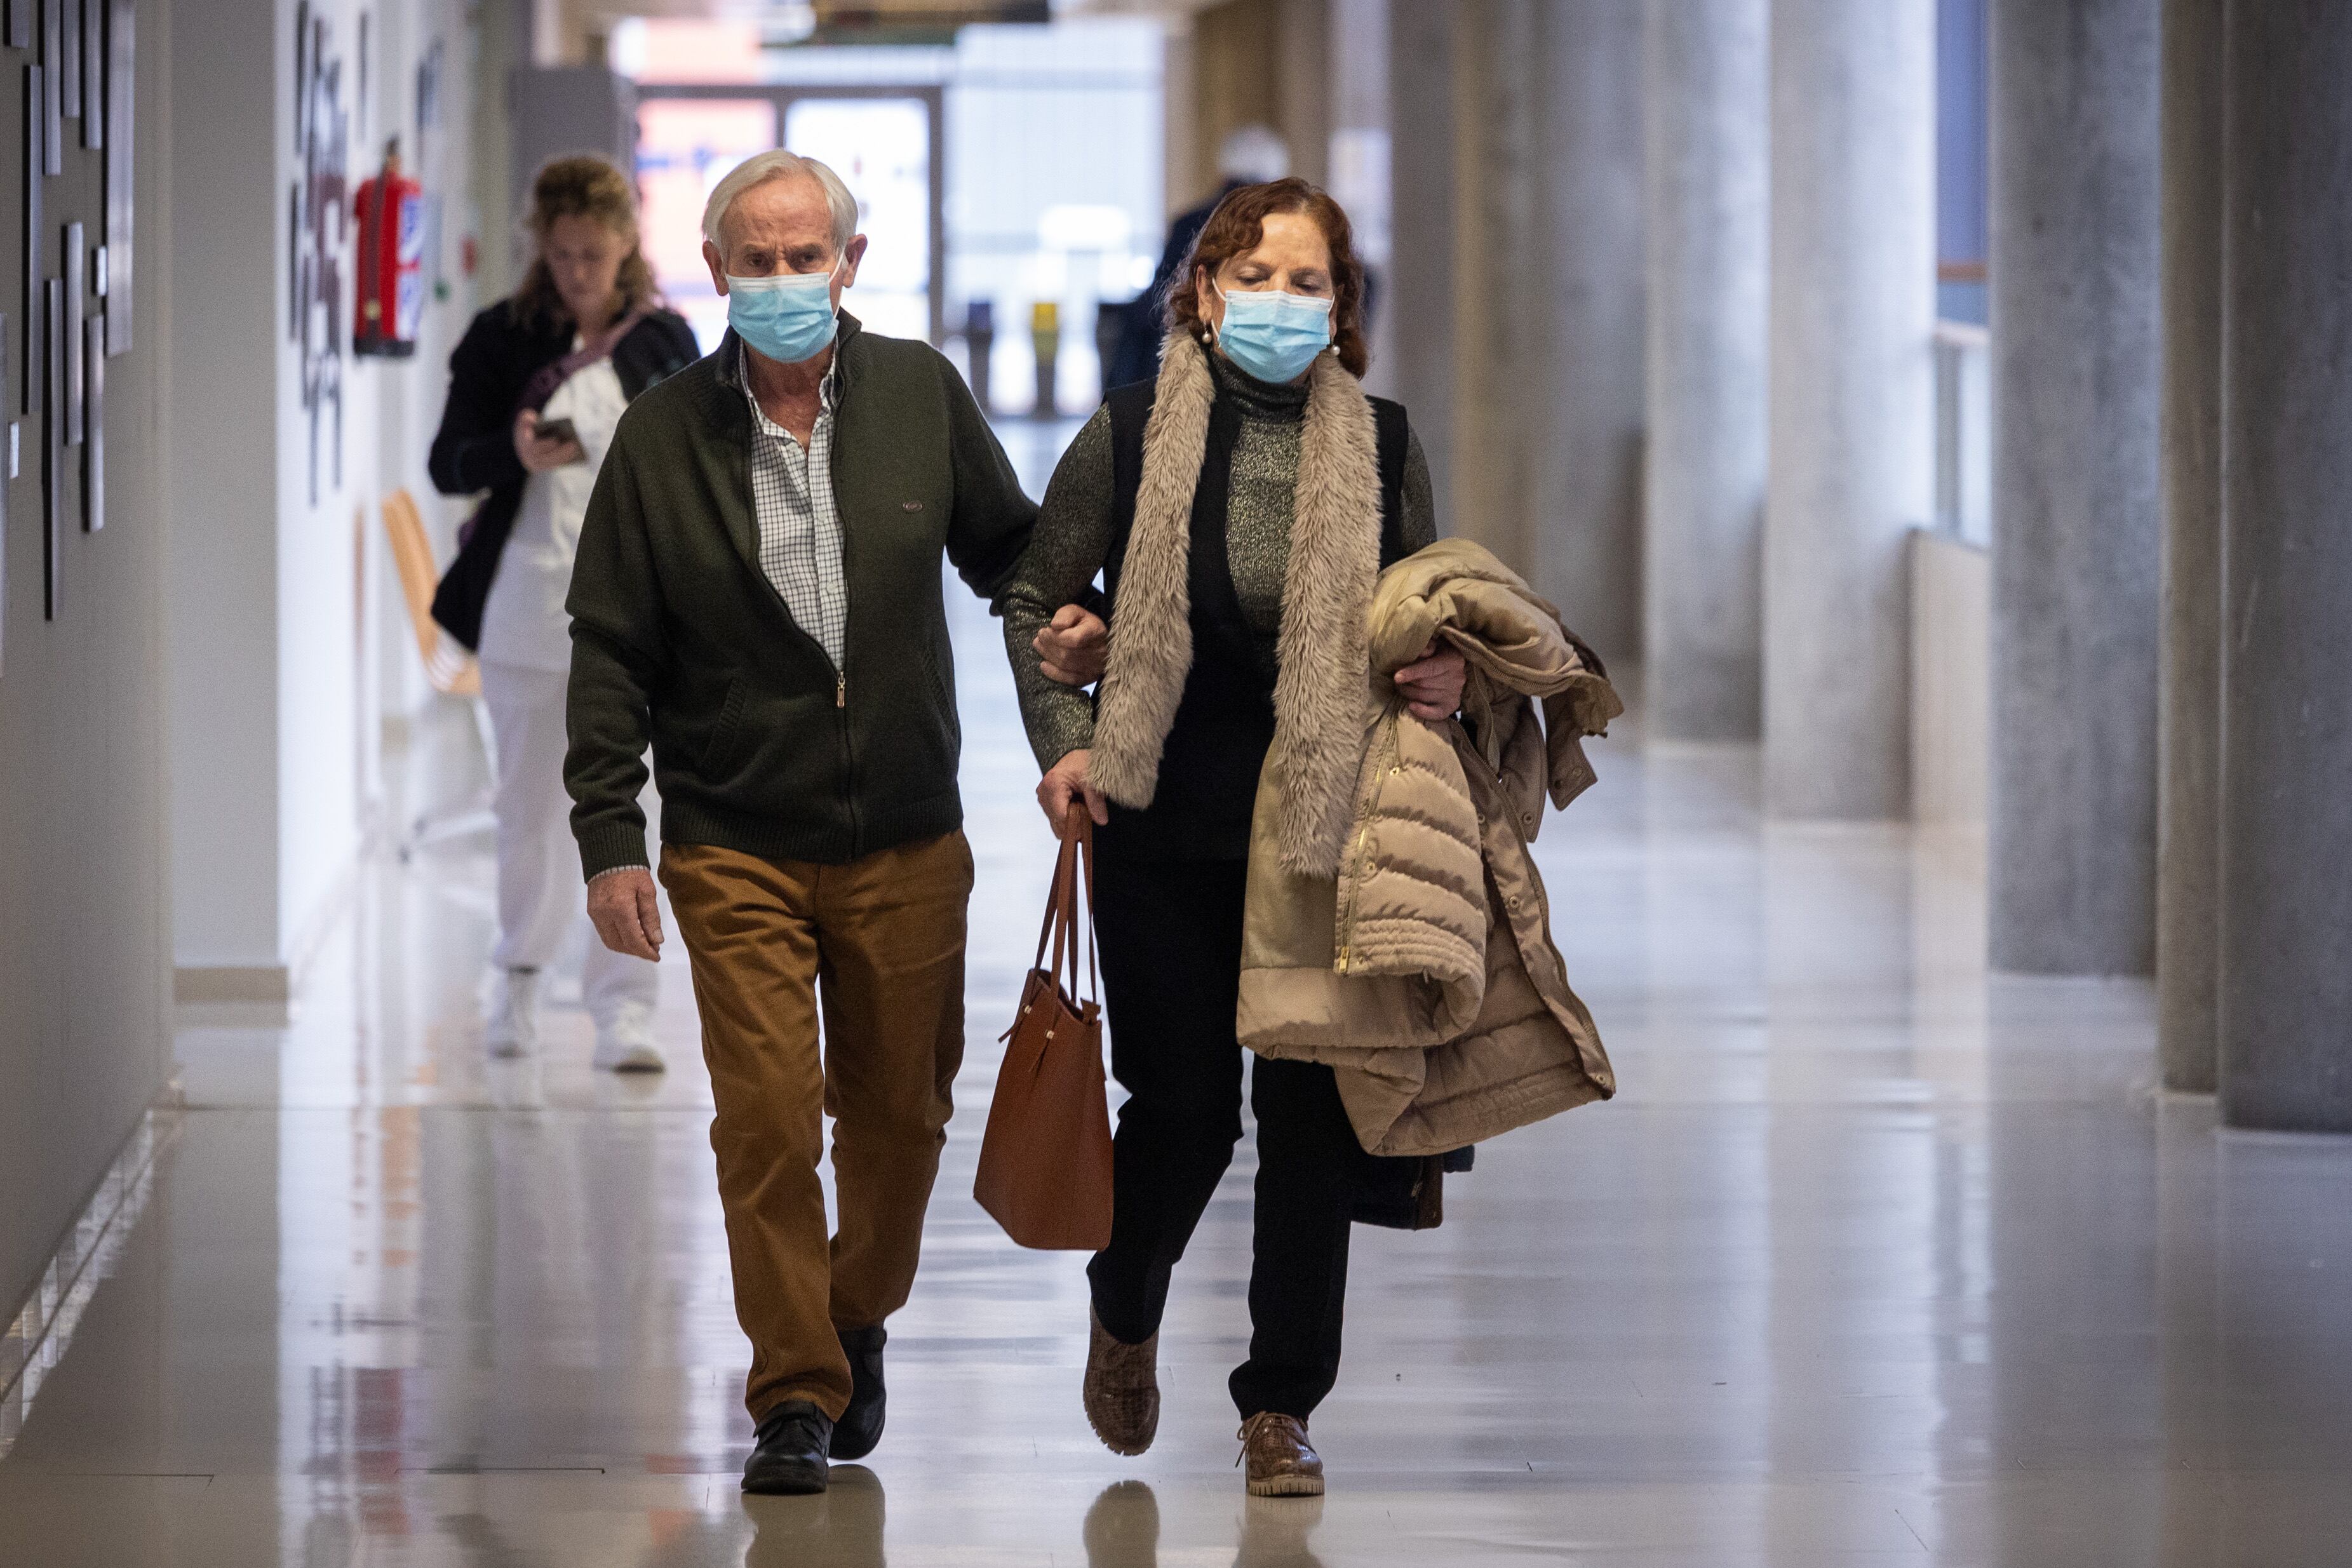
(1545, 289)
(1578, 306)
(1359, 173)
(1491, 282)
(1234, 50)
(1302, 86)
(225, 716)
(1253, 61)
(502, 42)
(1420, 233)
(555, 112)
(2075, 373)
(2188, 717)
(1357, 46)
(2286, 821)
(1706, 227)
(1852, 465)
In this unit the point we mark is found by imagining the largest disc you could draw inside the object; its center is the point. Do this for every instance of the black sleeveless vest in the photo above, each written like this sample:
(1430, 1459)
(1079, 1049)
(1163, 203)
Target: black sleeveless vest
(1224, 724)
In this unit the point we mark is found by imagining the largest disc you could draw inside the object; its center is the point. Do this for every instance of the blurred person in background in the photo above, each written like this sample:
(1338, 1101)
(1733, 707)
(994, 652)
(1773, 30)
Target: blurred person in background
(1251, 155)
(536, 389)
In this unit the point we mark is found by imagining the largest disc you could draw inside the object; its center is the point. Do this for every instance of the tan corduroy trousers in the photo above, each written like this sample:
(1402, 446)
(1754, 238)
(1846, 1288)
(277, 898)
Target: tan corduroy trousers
(879, 945)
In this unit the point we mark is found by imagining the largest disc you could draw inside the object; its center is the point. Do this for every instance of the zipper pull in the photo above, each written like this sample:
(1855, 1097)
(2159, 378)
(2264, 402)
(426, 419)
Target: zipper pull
(840, 689)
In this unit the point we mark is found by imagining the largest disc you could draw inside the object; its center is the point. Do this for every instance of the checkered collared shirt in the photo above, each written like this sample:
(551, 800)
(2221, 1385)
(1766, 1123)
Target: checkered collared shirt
(800, 521)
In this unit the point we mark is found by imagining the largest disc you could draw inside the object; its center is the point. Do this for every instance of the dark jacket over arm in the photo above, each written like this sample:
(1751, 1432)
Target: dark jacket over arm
(500, 367)
(474, 448)
(492, 367)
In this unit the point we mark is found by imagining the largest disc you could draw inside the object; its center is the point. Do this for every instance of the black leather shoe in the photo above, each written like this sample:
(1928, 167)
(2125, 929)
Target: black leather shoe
(791, 1457)
(860, 1427)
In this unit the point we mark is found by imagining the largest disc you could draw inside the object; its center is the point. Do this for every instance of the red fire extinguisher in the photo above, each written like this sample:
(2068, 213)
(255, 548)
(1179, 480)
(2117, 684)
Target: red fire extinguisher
(391, 214)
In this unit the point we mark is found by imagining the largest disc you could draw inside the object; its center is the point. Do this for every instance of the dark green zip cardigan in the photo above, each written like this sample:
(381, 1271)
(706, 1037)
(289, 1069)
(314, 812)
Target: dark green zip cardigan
(679, 640)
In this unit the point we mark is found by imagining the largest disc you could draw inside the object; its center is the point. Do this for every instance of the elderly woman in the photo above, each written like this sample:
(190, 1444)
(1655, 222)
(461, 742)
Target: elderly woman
(1224, 504)
(536, 388)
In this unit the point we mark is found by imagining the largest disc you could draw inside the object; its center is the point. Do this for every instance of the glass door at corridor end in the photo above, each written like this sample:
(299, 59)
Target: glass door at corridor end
(883, 141)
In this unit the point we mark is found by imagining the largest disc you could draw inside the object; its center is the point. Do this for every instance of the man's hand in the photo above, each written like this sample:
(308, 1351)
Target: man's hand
(1432, 685)
(540, 455)
(1064, 784)
(1075, 646)
(627, 914)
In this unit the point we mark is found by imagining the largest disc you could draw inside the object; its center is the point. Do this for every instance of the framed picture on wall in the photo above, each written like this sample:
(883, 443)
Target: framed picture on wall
(53, 454)
(94, 446)
(69, 57)
(52, 101)
(73, 266)
(4, 516)
(93, 72)
(31, 401)
(121, 54)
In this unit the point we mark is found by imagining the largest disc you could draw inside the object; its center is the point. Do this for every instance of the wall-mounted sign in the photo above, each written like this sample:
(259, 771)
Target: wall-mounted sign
(318, 206)
(31, 251)
(76, 305)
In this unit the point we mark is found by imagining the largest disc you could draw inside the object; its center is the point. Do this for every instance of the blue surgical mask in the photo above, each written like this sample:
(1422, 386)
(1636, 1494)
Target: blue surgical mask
(788, 317)
(1272, 335)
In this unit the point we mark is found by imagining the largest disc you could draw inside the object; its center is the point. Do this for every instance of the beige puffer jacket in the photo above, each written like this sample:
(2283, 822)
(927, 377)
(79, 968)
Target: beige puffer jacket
(1426, 973)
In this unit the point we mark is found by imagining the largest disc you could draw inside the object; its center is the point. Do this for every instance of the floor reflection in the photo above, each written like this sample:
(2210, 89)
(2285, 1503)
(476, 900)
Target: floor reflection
(1122, 1531)
(1122, 1528)
(1876, 1260)
(842, 1529)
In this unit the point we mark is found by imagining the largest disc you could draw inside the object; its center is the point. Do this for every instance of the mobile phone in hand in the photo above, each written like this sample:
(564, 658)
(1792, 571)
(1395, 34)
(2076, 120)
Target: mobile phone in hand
(558, 430)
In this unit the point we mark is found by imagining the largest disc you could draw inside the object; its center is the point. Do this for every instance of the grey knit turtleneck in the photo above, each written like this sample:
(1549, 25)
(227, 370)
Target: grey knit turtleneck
(1073, 536)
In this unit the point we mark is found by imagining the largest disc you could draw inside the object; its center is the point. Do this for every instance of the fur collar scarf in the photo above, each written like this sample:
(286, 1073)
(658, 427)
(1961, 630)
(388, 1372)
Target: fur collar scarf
(1323, 696)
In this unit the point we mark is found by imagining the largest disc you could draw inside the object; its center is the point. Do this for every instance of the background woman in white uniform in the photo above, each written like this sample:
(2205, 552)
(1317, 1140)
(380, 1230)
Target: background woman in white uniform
(536, 388)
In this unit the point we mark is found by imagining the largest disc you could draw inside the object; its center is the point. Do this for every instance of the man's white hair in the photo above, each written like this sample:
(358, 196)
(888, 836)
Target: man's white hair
(780, 164)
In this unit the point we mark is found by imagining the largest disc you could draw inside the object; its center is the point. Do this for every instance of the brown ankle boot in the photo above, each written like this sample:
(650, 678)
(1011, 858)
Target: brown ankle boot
(1280, 1462)
(1122, 1390)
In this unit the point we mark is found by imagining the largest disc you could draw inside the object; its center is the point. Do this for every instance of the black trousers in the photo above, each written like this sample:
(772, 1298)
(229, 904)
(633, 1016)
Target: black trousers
(1172, 945)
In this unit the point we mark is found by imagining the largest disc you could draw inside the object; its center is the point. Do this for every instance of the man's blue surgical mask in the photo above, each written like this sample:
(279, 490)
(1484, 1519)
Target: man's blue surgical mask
(1272, 335)
(788, 317)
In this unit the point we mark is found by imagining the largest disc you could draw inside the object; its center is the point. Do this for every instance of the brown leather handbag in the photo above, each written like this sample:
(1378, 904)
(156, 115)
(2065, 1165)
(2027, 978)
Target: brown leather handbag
(1044, 1161)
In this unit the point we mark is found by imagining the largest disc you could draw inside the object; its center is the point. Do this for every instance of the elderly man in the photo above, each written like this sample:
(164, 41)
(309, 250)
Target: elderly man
(758, 595)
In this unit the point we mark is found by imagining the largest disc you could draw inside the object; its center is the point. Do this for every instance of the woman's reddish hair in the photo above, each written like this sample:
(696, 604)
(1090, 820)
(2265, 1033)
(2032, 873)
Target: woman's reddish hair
(1236, 227)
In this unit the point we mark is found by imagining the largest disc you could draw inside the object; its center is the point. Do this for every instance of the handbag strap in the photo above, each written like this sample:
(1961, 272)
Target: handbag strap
(1063, 925)
(1083, 924)
(544, 383)
(1086, 858)
(1052, 927)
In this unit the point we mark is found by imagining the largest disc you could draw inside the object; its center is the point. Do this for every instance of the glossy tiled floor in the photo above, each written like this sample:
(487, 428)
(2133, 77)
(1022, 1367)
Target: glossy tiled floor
(1874, 1261)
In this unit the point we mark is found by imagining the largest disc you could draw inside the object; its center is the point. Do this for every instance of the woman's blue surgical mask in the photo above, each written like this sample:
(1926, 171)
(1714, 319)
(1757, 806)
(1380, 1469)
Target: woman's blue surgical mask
(1272, 335)
(788, 317)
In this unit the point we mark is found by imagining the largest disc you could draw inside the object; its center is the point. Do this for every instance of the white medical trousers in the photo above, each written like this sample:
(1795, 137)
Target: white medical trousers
(541, 900)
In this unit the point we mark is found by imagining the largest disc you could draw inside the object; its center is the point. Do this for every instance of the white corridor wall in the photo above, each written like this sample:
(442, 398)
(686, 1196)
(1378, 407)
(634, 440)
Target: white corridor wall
(279, 587)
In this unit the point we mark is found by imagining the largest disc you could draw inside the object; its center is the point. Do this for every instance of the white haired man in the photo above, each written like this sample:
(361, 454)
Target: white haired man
(757, 596)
